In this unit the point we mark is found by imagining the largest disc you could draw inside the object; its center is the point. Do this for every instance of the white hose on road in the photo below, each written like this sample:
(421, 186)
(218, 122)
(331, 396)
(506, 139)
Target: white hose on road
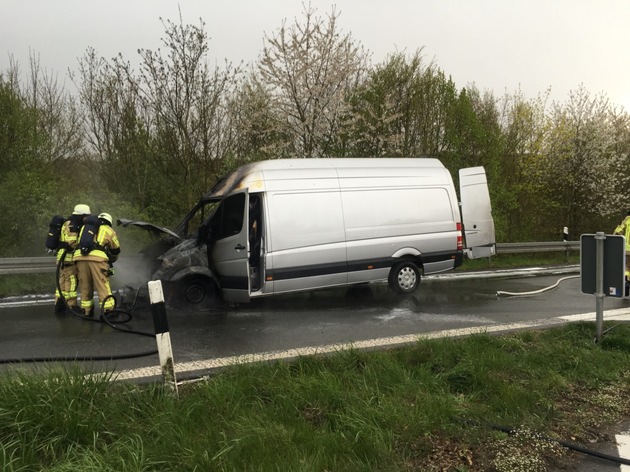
(535, 292)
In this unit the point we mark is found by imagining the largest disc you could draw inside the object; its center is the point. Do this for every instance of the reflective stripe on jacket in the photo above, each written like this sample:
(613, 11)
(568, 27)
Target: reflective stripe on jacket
(67, 242)
(624, 230)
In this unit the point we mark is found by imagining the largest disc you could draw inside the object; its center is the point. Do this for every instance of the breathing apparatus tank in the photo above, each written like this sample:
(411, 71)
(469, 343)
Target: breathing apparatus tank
(87, 243)
(54, 232)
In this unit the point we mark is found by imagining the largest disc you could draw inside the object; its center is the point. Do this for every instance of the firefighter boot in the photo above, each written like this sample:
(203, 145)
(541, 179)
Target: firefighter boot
(88, 314)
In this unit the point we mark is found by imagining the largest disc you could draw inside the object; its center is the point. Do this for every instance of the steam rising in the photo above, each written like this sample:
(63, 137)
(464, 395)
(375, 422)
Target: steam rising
(131, 271)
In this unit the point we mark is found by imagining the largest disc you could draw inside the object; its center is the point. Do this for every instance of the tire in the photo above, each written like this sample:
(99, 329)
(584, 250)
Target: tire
(196, 292)
(404, 277)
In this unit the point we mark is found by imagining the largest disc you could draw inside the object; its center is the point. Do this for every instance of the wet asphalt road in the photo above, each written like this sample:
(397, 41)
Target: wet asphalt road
(293, 321)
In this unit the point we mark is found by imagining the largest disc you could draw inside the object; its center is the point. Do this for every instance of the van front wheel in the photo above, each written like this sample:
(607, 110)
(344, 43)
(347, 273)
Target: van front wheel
(404, 277)
(196, 291)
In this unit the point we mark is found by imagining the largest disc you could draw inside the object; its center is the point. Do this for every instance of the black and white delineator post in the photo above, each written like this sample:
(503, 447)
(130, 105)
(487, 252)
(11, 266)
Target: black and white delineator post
(162, 335)
(602, 270)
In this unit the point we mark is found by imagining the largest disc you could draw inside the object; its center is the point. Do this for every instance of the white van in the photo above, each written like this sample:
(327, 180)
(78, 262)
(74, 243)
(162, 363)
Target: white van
(290, 225)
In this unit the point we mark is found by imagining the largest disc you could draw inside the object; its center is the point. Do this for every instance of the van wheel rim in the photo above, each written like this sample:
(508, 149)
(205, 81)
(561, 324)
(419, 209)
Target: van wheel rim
(195, 294)
(407, 278)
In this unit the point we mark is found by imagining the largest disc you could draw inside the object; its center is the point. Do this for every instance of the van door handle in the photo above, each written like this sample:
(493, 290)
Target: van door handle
(239, 247)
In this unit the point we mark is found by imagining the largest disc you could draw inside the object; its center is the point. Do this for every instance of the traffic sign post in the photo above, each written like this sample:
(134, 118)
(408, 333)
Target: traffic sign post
(602, 270)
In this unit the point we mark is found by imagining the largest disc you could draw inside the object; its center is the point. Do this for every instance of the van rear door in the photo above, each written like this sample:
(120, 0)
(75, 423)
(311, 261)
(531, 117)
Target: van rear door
(476, 213)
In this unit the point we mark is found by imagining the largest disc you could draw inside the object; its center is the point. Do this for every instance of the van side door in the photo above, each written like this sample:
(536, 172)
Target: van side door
(476, 213)
(229, 234)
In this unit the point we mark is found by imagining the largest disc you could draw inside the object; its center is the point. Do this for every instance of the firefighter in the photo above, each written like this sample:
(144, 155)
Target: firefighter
(624, 230)
(96, 251)
(65, 249)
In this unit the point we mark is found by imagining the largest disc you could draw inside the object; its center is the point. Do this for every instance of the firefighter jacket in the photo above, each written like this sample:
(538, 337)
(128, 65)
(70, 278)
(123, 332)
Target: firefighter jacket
(106, 247)
(624, 230)
(67, 242)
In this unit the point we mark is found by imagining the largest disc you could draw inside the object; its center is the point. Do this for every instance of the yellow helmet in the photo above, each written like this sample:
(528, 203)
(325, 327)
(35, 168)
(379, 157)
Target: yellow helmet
(107, 217)
(81, 209)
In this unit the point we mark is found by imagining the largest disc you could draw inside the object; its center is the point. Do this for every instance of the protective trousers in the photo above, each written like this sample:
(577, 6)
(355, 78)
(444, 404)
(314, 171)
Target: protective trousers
(68, 283)
(93, 275)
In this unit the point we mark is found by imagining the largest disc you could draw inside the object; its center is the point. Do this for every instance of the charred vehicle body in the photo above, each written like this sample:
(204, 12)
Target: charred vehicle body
(290, 225)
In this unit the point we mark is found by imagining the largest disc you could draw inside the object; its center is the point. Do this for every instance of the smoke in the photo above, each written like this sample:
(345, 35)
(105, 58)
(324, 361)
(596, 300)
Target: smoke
(133, 271)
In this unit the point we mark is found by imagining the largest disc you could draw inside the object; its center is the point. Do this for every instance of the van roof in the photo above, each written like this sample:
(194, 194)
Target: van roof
(253, 175)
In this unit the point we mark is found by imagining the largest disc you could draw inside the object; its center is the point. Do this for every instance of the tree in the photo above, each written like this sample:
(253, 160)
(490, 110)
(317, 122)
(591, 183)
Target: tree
(58, 118)
(308, 69)
(522, 201)
(620, 185)
(17, 128)
(40, 144)
(255, 130)
(585, 164)
(187, 100)
(161, 133)
(400, 109)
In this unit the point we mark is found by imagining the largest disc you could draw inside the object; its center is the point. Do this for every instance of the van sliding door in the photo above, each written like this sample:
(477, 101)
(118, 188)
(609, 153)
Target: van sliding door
(476, 213)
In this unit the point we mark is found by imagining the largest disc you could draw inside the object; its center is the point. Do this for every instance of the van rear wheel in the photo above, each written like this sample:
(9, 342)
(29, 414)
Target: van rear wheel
(404, 277)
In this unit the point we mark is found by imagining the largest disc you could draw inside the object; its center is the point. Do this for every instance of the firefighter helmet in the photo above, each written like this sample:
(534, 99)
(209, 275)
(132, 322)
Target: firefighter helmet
(107, 217)
(81, 209)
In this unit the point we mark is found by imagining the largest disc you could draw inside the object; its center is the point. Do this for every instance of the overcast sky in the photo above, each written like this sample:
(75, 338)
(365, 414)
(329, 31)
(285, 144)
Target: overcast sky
(500, 45)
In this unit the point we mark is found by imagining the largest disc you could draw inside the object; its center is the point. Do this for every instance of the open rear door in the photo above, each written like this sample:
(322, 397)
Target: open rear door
(476, 213)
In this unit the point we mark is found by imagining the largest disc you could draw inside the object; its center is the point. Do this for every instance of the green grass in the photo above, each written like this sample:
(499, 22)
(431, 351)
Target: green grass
(17, 284)
(422, 407)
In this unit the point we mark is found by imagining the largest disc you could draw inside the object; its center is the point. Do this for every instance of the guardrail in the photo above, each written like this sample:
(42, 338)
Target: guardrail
(27, 265)
(514, 248)
(44, 264)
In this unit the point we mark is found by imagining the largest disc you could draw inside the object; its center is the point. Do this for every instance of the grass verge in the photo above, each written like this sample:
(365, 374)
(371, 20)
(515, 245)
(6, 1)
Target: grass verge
(19, 284)
(423, 407)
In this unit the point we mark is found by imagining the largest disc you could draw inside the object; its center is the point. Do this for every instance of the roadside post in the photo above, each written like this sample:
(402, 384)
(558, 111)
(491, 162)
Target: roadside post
(602, 270)
(565, 239)
(162, 335)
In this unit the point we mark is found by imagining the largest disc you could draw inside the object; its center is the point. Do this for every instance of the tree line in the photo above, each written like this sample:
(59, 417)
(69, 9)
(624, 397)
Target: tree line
(147, 140)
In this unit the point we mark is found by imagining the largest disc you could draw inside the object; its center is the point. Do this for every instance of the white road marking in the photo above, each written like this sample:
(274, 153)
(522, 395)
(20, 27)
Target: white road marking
(622, 314)
(623, 449)
(26, 302)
